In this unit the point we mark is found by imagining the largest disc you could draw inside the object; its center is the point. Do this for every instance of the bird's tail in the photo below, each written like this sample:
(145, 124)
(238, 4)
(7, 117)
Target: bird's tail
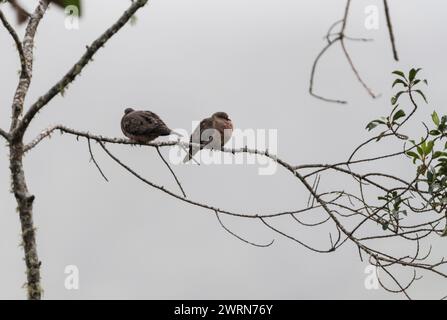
(187, 157)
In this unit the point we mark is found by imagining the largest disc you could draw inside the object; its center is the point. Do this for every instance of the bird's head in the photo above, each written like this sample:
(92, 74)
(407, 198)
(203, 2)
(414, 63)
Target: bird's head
(128, 110)
(221, 115)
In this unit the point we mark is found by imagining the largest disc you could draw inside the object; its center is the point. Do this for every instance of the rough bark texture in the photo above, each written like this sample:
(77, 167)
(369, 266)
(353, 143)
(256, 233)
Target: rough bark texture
(25, 208)
(16, 153)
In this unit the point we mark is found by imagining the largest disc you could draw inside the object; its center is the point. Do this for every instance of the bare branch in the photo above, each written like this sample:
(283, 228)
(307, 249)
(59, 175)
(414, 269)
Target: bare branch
(339, 37)
(239, 237)
(17, 42)
(78, 66)
(28, 55)
(355, 71)
(312, 76)
(4, 134)
(172, 171)
(92, 157)
(390, 29)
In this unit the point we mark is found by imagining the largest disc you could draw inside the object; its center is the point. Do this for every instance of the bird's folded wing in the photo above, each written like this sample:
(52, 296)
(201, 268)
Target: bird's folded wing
(137, 124)
(197, 137)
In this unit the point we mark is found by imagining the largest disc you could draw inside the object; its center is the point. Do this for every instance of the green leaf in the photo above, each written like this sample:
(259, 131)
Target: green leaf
(420, 150)
(422, 94)
(374, 124)
(412, 74)
(429, 147)
(371, 125)
(413, 154)
(435, 118)
(399, 114)
(393, 100)
(396, 97)
(435, 132)
(76, 3)
(399, 81)
(437, 154)
(400, 74)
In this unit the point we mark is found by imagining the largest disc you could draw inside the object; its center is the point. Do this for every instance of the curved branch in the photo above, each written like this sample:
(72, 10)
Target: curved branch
(28, 56)
(17, 42)
(172, 171)
(239, 237)
(339, 37)
(92, 158)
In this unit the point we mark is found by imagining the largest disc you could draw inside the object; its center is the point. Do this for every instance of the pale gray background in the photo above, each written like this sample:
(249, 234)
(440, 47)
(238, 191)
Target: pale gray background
(185, 59)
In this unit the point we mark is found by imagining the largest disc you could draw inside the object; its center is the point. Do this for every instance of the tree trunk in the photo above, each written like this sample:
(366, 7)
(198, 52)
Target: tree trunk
(25, 209)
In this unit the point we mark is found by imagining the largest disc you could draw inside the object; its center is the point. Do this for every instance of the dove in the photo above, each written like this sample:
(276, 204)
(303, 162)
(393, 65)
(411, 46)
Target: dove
(212, 133)
(143, 126)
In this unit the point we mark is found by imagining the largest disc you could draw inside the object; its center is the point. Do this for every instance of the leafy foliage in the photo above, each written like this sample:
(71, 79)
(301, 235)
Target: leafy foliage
(429, 154)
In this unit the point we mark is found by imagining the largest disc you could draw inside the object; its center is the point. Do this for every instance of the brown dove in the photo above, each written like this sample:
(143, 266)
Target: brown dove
(212, 133)
(143, 126)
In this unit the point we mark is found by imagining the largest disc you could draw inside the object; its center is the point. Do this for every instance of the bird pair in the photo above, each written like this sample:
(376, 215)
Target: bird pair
(145, 126)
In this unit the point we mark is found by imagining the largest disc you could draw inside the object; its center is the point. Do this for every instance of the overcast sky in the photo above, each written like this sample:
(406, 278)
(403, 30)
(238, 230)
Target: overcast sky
(184, 60)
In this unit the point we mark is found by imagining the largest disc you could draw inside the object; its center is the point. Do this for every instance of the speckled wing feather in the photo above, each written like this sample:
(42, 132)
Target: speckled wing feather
(140, 123)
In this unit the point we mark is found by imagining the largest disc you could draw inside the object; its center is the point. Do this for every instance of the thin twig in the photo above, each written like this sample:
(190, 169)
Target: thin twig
(92, 157)
(17, 42)
(390, 29)
(339, 37)
(355, 71)
(240, 238)
(172, 171)
(4, 134)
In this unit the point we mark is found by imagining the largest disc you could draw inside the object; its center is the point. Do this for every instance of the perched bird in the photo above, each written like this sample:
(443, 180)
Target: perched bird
(212, 133)
(143, 126)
